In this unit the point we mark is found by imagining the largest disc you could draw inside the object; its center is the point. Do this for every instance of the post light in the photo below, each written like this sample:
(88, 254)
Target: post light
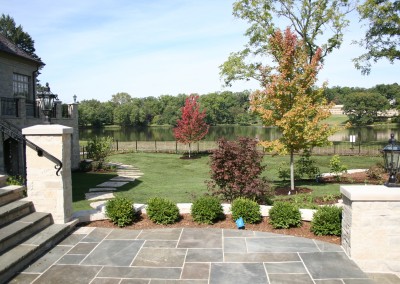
(47, 98)
(391, 155)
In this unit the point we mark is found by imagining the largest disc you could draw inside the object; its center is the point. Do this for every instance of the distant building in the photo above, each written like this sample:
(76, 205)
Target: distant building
(337, 109)
(19, 107)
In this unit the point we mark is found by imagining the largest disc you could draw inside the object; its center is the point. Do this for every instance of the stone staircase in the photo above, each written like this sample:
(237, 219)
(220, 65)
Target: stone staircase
(24, 233)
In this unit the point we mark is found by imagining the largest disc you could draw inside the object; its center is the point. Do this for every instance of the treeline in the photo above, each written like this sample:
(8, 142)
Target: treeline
(362, 105)
(123, 110)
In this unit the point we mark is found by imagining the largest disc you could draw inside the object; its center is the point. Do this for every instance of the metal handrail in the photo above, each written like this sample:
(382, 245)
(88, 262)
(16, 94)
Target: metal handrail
(15, 133)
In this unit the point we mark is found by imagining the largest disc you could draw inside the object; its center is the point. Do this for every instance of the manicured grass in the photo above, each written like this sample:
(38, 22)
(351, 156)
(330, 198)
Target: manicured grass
(337, 119)
(81, 182)
(166, 175)
(182, 180)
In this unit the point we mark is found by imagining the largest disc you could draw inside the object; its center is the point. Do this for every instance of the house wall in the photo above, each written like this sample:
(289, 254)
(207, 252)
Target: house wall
(11, 64)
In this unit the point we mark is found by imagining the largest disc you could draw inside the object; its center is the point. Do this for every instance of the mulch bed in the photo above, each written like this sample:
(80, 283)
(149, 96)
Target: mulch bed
(186, 222)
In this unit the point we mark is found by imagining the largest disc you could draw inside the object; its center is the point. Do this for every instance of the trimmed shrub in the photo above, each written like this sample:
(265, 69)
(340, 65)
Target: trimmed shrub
(120, 211)
(284, 215)
(307, 167)
(236, 168)
(327, 221)
(99, 148)
(336, 166)
(376, 172)
(15, 180)
(246, 208)
(207, 210)
(162, 211)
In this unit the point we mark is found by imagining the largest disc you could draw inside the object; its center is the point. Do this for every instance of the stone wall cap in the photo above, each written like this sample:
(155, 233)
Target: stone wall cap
(46, 129)
(370, 192)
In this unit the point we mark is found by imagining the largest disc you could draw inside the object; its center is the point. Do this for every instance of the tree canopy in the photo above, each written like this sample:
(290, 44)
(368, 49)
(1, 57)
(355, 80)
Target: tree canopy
(290, 100)
(192, 126)
(312, 20)
(364, 108)
(17, 35)
(382, 39)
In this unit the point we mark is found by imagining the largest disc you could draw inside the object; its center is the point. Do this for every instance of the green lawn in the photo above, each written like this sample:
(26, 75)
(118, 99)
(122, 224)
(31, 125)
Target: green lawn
(181, 180)
(337, 119)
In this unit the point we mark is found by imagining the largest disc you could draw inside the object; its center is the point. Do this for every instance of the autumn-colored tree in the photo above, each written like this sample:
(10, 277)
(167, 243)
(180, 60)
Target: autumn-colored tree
(192, 126)
(290, 100)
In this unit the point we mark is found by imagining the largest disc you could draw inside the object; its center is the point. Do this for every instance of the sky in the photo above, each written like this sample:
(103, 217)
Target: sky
(96, 48)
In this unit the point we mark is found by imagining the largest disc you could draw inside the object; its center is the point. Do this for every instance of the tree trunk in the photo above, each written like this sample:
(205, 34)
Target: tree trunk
(291, 171)
(189, 150)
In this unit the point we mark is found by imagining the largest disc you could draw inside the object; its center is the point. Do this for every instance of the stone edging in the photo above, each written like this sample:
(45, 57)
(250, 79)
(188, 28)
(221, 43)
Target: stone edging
(184, 208)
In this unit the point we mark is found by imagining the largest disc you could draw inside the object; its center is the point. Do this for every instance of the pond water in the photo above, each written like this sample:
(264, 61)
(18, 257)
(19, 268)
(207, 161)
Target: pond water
(231, 132)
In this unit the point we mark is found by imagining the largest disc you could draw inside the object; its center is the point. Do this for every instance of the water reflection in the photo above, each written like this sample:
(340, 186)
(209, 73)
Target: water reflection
(231, 132)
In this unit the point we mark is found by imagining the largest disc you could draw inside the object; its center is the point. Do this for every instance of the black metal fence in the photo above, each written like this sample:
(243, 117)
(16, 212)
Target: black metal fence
(337, 148)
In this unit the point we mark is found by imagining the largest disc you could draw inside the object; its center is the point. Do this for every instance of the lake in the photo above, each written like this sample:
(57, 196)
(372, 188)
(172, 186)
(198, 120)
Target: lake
(230, 132)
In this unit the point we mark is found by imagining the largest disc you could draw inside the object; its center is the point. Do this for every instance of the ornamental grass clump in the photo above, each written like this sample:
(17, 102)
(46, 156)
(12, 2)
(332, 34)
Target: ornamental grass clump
(246, 208)
(207, 210)
(327, 221)
(120, 211)
(162, 211)
(284, 215)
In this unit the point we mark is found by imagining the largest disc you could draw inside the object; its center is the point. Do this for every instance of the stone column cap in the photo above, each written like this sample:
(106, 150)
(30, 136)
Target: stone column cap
(45, 129)
(370, 192)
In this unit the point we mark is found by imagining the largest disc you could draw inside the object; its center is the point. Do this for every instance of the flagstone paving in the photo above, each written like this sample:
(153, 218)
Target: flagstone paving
(176, 255)
(126, 174)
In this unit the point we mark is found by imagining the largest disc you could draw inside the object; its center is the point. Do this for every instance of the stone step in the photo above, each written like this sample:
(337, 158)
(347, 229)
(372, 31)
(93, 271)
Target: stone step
(120, 178)
(98, 195)
(11, 193)
(15, 210)
(112, 184)
(130, 174)
(19, 257)
(129, 171)
(102, 189)
(18, 231)
(3, 180)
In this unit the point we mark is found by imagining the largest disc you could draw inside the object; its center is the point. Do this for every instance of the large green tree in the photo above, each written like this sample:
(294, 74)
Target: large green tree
(92, 112)
(17, 35)
(312, 20)
(290, 100)
(382, 39)
(363, 108)
(121, 98)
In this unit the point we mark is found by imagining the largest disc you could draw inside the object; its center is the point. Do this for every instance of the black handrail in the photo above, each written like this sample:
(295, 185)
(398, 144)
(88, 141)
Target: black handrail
(16, 134)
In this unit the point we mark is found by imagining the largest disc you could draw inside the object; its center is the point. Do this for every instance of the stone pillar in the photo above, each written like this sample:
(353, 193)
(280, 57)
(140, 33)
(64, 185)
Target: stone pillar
(58, 107)
(75, 158)
(371, 227)
(49, 192)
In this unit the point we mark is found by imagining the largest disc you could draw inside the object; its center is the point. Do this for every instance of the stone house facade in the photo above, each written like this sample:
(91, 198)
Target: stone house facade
(19, 107)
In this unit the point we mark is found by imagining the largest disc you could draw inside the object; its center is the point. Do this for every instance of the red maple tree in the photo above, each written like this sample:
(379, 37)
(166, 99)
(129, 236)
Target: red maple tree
(191, 127)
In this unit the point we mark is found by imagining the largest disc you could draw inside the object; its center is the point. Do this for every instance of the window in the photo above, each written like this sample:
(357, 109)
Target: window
(21, 85)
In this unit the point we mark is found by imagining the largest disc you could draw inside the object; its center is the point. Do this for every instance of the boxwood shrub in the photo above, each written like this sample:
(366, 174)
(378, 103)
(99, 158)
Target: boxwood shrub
(120, 211)
(162, 211)
(284, 215)
(246, 208)
(207, 210)
(327, 221)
